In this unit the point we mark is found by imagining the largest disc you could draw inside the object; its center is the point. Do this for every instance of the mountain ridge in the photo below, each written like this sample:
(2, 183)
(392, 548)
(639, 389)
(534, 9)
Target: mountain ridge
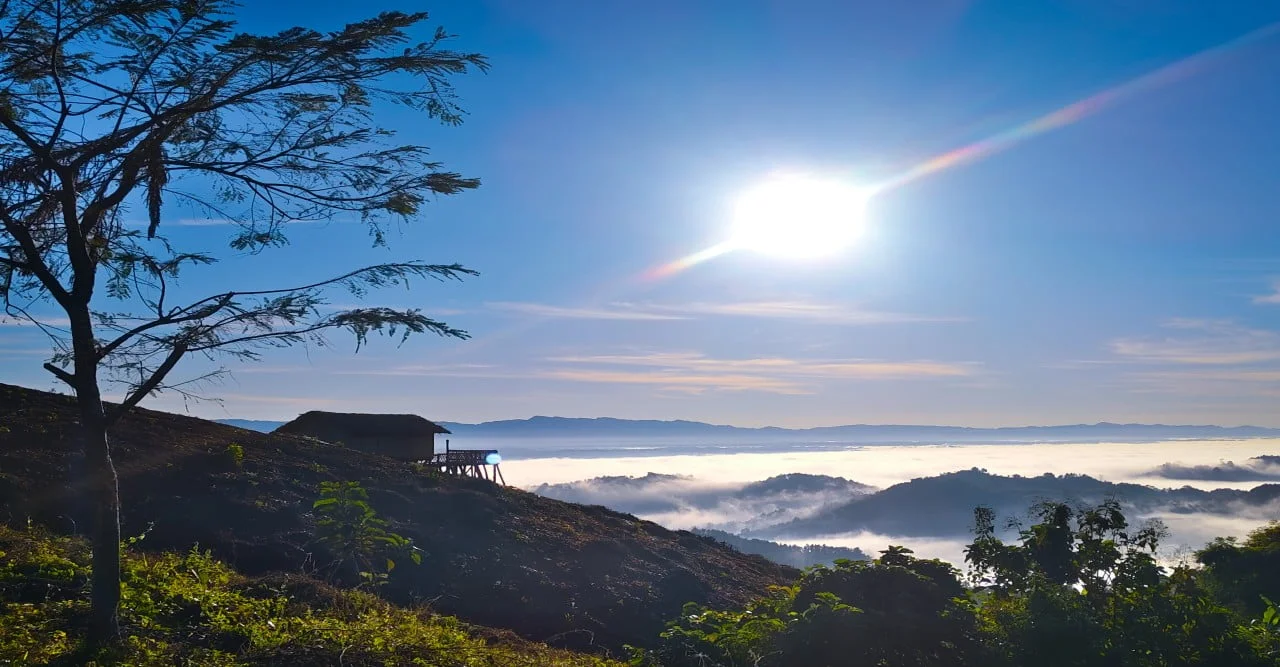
(544, 426)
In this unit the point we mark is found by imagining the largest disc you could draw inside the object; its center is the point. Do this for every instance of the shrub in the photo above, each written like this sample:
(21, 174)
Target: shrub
(356, 536)
(236, 452)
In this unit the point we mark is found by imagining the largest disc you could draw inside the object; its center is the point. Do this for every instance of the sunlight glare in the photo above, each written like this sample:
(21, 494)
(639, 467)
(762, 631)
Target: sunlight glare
(799, 217)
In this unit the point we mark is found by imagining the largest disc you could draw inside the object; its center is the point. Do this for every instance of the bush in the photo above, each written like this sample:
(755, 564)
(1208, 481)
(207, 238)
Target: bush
(356, 536)
(235, 452)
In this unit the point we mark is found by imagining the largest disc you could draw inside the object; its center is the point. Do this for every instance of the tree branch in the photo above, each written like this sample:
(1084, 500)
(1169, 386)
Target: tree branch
(175, 355)
(61, 374)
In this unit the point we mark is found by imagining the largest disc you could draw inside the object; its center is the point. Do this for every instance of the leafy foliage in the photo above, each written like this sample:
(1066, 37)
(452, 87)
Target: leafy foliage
(356, 536)
(1080, 587)
(189, 609)
(1244, 574)
(108, 106)
(235, 451)
(895, 610)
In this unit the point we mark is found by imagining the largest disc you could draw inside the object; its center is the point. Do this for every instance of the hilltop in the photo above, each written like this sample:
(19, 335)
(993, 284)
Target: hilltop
(496, 556)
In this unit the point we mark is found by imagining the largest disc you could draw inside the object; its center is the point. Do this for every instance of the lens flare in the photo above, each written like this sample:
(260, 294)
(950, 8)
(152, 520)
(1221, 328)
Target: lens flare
(1067, 115)
(1077, 111)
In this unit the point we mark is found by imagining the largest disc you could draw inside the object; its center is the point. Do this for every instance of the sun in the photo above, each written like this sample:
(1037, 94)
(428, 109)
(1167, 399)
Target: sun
(799, 217)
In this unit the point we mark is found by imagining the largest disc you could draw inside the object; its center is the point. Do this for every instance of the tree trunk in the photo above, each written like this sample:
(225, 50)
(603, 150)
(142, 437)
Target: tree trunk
(104, 499)
(100, 487)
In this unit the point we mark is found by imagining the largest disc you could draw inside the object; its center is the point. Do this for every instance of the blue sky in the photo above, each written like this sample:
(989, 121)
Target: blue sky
(1123, 267)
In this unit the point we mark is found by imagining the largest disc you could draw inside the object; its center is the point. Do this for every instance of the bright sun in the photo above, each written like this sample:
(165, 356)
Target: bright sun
(798, 217)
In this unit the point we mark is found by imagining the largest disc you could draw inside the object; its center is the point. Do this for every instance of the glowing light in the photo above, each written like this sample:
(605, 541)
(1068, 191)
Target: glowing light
(773, 234)
(492, 458)
(798, 217)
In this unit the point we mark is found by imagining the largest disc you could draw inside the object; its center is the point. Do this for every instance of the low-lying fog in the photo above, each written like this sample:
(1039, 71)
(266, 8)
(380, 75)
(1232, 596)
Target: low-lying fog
(715, 490)
(885, 465)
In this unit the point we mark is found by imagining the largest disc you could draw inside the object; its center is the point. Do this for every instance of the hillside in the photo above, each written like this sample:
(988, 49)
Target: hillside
(787, 554)
(579, 576)
(189, 609)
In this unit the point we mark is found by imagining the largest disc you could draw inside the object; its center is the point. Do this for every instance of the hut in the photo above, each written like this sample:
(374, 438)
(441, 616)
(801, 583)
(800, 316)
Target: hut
(406, 437)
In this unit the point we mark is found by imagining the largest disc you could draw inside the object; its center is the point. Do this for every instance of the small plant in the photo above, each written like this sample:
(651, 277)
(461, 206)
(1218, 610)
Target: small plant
(236, 452)
(353, 532)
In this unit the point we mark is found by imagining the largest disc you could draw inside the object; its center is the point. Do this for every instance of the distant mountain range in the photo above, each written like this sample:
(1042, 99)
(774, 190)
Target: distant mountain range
(607, 427)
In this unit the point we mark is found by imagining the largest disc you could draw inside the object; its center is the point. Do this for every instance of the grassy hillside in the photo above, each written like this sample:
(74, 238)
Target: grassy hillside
(575, 576)
(190, 609)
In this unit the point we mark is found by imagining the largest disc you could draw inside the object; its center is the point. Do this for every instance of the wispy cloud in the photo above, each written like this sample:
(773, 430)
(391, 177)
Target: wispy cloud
(1272, 298)
(693, 372)
(55, 322)
(1204, 342)
(24, 351)
(585, 313)
(684, 382)
(800, 310)
(830, 313)
(441, 370)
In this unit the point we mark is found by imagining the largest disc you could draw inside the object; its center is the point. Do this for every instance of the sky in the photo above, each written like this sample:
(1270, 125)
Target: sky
(1117, 260)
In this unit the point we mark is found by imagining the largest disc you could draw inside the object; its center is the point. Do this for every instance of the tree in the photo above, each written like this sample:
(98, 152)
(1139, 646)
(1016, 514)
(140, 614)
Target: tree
(1245, 576)
(107, 106)
(896, 610)
(1082, 587)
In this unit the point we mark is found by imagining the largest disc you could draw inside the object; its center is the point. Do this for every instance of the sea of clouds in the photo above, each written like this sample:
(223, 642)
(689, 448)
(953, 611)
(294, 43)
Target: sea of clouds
(708, 490)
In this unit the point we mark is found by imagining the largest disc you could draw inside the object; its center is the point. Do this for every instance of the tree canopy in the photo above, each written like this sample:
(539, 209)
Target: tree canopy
(114, 114)
(1078, 587)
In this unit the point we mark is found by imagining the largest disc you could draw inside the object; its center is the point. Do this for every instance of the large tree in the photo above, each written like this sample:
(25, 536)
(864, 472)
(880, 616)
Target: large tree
(115, 112)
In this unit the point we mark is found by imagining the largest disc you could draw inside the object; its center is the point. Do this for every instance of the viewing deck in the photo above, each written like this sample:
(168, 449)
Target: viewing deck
(482, 463)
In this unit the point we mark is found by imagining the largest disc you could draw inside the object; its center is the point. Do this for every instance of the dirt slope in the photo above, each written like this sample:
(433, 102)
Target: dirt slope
(573, 575)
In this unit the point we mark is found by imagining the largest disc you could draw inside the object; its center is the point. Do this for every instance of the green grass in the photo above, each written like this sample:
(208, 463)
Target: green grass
(190, 609)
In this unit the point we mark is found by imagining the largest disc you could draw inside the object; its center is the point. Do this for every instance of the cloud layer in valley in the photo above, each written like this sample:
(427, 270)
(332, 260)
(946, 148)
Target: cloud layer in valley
(1256, 469)
(685, 502)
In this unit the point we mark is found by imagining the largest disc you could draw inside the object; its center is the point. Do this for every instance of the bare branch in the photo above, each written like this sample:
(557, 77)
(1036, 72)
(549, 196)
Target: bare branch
(66, 377)
(145, 388)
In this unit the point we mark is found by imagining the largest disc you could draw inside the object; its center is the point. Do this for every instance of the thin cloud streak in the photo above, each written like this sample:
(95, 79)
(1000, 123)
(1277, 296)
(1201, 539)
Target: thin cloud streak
(694, 373)
(1216, 342)
(674, 381)
(828, 368)
(564, 312)
(801, 310)
(792, 310)
(1269, 299)
(55, 322)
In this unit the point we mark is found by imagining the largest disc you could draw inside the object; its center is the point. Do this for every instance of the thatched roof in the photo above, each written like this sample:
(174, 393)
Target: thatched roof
(328, 425)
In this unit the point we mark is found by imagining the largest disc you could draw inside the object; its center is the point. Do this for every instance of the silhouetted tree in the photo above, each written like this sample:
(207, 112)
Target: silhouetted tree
(1081, 587)
(1243, 574)
(896, 610)
(111, 105)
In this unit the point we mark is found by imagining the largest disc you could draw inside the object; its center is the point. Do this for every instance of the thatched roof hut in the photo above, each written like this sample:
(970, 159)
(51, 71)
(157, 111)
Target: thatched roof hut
(408, 437)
